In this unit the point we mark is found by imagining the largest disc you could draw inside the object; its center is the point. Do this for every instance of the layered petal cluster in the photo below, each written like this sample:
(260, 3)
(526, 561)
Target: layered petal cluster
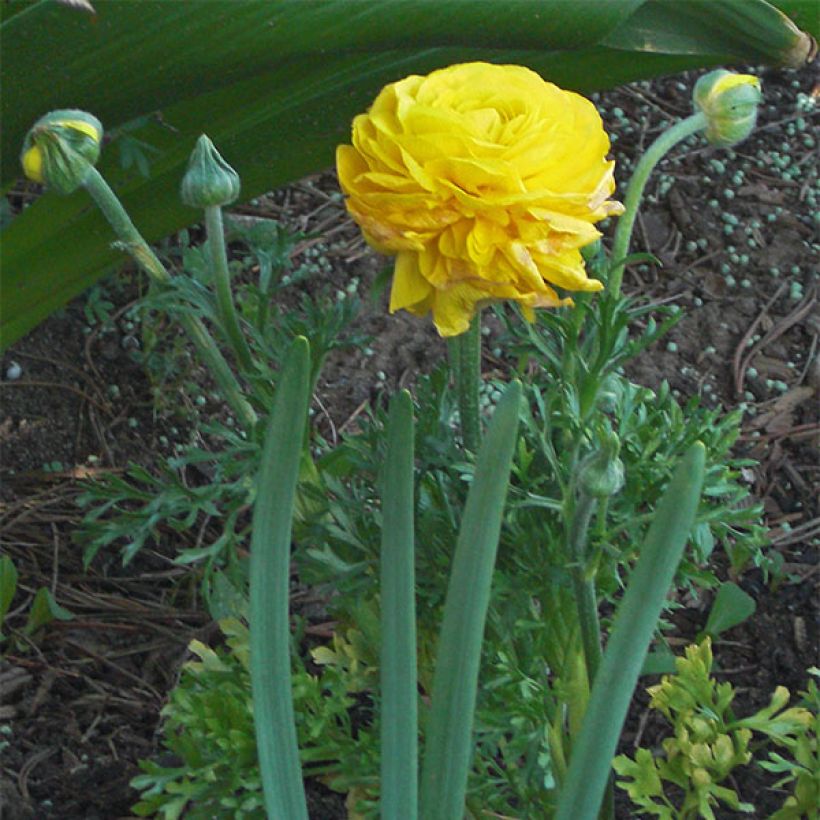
(485, 182)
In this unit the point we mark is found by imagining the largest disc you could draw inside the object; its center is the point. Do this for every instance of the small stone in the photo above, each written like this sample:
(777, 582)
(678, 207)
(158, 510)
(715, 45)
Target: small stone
(13, 372)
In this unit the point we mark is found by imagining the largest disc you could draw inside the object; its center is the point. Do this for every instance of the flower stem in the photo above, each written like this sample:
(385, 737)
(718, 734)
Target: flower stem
(584, 583)
(265, 274)
(222, 284)
(133, 243)
(583, 579)
(662, 145)
(465, 361)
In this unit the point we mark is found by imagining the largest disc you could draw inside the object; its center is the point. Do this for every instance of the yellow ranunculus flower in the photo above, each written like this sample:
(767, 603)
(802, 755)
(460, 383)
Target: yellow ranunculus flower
(485, 181)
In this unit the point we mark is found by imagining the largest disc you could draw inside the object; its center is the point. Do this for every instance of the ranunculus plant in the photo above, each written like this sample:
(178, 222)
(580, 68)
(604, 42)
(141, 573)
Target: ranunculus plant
(485, 182)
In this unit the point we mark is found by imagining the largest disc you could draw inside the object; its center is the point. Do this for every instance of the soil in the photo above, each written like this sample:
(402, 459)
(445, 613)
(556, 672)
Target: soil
(81, 697)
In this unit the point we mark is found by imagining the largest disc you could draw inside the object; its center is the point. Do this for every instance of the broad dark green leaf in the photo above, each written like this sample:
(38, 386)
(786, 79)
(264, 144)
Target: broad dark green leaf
(276, 84)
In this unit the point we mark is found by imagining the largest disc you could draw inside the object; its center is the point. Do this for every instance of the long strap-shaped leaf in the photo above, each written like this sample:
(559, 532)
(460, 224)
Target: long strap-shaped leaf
(213, 47)
(270, 664)
(247, 73)
(399, 694)
(637, 617)
(449, 744)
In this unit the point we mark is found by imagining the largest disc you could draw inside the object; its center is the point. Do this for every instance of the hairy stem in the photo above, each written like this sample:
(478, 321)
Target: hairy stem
(584, 584)
(132, 241)
(465, 361)
(623, 233)
(222, 285)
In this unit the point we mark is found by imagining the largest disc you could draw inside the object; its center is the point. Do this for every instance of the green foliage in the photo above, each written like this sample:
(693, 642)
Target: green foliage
(585, 788)
(208, 727)
(547, 710)
(209, 479)
(133, 509)
(709, 743)
(530, 658)
(273, 513)
(43, 609)
(577, 384)
(280, 84)
(97, 306)
(534, 688)
(799, 765)
(731, 607)
(449, 749)
(8, 586)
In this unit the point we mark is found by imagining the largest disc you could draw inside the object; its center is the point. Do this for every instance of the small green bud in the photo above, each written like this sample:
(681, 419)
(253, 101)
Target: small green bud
(209, 180)
(730, 103)
(601, 473)
(60, 149)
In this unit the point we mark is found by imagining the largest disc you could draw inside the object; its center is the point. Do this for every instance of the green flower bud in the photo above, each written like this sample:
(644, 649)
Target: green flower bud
(60, 149)
(730, 102)
(601, 473)
(209, 180)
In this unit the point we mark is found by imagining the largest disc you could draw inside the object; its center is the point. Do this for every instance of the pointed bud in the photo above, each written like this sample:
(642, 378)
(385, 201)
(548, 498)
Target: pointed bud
(730, 102)
(209, 180)
(601, 473)
(60, 149)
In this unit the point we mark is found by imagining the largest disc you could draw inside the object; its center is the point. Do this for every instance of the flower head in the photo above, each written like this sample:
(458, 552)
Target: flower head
(485, 181)
(730, 102)
(208, 180)
(60, 148)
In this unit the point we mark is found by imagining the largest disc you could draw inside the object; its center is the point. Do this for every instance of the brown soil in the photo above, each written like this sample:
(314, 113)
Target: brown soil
(81, 699)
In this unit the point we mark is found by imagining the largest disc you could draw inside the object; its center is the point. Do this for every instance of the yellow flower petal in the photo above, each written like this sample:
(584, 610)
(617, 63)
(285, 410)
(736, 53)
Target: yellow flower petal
(79, 125)
(486, 181)
(33, 164)
(453, 308)
(410, 289)
(728, 81)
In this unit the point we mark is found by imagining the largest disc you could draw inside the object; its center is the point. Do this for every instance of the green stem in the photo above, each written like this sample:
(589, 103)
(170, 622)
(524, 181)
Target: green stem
(584, 584)
(133, 242)
(265, 274)
(465, 361)
(583, 579)
(623, 233)
(222, 285)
